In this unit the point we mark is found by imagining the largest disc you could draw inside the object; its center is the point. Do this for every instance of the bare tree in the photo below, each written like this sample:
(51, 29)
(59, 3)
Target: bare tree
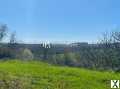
(13, 38)
(106, 39)
(111, 37)
(3, 31)
(116, 36)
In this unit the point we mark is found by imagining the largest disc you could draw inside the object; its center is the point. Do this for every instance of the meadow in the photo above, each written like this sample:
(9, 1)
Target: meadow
(38, 75)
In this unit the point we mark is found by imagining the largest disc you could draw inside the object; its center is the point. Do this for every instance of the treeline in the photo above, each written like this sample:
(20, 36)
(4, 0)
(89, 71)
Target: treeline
(104, 55)
(9, 50)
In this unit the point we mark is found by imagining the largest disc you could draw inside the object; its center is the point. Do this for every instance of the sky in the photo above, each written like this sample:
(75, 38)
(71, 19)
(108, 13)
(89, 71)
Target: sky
(37, 21)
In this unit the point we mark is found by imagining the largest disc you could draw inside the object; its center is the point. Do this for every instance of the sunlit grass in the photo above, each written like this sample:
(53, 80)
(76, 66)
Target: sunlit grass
(38, 75)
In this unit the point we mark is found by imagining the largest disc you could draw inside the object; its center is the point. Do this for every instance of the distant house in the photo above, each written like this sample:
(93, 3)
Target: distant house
(46, 45)
(78, 44)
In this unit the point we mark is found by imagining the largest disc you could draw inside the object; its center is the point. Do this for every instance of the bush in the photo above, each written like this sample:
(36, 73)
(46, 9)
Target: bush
(26, 54)
(70, 59)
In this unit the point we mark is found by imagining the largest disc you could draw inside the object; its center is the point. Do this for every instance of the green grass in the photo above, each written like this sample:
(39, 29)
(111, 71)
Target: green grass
(38, 75)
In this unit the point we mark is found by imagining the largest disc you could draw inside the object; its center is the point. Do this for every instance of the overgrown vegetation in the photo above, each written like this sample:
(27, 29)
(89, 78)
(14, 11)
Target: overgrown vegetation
(101, 56)
(38, 75)
(30, 73)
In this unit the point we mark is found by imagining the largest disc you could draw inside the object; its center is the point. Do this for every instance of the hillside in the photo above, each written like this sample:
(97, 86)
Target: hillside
(38, 75)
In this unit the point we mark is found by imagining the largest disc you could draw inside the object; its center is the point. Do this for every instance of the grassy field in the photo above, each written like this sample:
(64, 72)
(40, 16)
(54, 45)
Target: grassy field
(38, 75)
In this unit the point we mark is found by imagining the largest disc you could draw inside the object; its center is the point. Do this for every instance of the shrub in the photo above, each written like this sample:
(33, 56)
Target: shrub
(27, 54)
